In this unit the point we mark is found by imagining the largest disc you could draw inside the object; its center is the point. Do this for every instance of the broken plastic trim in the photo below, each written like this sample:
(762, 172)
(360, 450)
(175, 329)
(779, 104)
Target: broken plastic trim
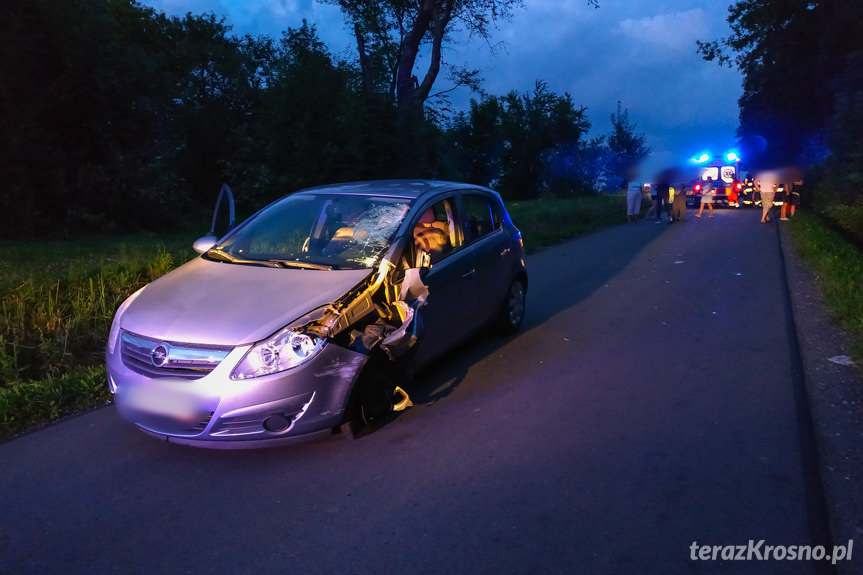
(405, 401)
(354, 307)
(401, 303)
(343, 315)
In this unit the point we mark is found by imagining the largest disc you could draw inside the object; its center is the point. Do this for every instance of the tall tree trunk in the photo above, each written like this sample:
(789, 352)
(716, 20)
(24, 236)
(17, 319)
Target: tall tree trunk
(434, 16)
(407, 100)
(365, 61)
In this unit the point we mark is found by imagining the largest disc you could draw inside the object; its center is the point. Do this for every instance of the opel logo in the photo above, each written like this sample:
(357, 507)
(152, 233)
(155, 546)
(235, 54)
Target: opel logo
(159, 355)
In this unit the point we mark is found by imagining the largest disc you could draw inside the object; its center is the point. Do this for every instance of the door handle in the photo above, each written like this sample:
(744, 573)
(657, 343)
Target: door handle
(470, 273)
(505, 251)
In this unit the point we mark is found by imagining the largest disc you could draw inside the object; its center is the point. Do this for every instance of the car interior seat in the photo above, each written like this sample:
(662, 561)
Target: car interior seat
(431, 235)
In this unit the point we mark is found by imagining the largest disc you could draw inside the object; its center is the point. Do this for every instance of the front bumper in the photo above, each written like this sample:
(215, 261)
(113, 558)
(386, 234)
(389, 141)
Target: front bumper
(215, 411)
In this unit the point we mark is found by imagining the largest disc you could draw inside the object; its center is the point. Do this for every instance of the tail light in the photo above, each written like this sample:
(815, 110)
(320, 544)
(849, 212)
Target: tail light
(696, 188)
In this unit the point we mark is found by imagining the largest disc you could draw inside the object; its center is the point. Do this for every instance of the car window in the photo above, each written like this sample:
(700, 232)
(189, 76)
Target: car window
(480, 217)
(435, 233)
(338, 231)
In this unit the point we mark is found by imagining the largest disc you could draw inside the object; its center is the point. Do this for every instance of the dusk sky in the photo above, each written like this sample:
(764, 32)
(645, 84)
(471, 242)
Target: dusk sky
(642, 54)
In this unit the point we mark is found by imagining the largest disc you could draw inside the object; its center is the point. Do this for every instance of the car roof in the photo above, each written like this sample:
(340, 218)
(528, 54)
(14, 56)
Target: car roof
(408, 189)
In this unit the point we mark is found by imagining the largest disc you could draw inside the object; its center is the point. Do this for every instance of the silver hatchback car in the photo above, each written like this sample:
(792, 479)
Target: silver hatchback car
(309, 315)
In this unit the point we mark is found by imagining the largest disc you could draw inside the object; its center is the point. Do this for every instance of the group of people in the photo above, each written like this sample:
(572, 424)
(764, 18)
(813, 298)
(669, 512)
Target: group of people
(661, 195)
(766, 184)
(662, 191)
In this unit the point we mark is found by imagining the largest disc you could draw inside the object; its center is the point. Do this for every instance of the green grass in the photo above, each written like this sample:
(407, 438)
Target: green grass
(547, 221)
(79, 258)
(31, 403)
(839, 268)
(57, 300)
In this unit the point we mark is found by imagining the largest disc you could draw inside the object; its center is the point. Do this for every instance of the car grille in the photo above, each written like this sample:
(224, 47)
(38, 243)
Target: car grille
(172, 359)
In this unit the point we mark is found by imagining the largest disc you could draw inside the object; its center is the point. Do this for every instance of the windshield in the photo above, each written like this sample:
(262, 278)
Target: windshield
(318, 231)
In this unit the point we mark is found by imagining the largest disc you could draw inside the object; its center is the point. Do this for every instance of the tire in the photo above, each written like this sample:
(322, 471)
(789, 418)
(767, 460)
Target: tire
(371, 404)
(368, 410)
(511, 312)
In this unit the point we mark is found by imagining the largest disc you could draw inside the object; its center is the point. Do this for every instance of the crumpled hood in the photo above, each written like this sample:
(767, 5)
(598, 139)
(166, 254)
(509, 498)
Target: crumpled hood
(229, 304)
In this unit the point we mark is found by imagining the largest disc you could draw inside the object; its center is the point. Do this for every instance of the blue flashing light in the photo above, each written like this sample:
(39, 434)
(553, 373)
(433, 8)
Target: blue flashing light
(705, 157)
(732, 157)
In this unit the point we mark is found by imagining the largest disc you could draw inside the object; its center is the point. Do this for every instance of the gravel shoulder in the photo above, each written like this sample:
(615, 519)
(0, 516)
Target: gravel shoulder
(835, 396)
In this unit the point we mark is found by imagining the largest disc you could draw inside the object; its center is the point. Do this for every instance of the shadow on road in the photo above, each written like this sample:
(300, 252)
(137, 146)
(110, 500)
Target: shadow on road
(560, 277)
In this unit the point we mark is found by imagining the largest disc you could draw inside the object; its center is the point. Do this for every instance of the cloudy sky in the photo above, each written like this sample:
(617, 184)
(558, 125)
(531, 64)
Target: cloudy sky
(641, 53)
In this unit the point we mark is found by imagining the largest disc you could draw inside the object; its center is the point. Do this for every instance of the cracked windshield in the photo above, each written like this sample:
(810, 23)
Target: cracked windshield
(317, 231)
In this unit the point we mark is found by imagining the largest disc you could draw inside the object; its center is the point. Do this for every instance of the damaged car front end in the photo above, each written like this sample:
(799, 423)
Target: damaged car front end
(307, 317)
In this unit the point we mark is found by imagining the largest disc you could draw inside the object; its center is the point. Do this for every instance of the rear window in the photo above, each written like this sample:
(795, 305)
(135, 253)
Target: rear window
(480, 217)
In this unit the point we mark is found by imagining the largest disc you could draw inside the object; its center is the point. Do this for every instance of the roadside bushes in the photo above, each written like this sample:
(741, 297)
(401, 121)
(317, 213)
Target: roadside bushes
(51, 328)
(36, 402)
(55, 319)
(848, 220)
(546, 221)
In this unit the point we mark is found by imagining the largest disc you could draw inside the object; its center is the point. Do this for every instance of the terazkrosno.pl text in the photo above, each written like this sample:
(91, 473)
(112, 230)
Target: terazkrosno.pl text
(758, 551)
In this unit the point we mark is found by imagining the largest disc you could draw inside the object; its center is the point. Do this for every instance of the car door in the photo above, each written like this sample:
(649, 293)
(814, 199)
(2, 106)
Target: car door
(450, 312)
(491, 249)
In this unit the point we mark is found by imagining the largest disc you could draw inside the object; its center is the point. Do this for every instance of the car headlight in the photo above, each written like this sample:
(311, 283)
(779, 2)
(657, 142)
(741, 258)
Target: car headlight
(285, 350)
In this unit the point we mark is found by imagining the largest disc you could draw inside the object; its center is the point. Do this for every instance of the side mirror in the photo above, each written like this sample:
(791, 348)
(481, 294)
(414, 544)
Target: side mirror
(203, 244)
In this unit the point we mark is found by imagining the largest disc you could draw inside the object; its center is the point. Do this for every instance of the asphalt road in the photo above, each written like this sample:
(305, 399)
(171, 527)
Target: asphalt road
(653, 400)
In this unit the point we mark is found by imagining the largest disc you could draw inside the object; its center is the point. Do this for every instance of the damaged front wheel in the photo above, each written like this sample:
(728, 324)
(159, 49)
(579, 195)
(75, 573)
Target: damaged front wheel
(375, 403)
(371, 404)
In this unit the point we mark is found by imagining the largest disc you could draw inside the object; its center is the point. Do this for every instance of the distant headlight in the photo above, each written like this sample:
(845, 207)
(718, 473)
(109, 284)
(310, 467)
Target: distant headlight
(285, 350)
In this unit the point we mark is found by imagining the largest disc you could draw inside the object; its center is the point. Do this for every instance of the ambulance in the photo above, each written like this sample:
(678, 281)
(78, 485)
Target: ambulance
(725, 184)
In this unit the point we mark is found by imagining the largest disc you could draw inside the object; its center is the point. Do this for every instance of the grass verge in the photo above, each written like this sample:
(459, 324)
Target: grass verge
(57, 300)
(838, 265)
(548, 221)
(31, 403)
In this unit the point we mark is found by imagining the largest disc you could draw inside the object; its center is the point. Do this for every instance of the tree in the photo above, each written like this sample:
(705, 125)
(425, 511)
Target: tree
(578, 168)
(626, 147)
(215, 99)
(802, 92)
(119, 117)
(84, 111)
(524, 145)
(477, 142)
(791, 54)
(314, 126)
(391, 35)
(116, 116)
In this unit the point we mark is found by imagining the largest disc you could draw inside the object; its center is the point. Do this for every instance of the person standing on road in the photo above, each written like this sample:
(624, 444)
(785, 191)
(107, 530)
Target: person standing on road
(766, 182)
(662, 192)
(678, 204)
(792, 199)
(707, 194)
(633, 203)
(652, 210)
